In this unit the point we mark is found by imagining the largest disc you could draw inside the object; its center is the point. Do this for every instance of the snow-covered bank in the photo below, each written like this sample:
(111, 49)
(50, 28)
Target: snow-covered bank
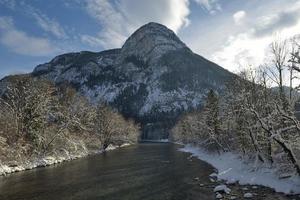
(232, 169)
(50, 160)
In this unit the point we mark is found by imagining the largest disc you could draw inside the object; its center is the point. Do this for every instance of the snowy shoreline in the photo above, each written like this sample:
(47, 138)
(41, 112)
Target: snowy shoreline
(50, 160)
(232, 169)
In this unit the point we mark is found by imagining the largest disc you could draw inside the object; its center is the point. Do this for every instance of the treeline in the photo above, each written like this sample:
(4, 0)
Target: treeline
(39, 119)
(252, 117)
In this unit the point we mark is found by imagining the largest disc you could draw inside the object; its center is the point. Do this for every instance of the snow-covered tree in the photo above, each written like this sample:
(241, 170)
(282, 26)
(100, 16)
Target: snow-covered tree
(39, 119)
(112, 128)
(28, 101)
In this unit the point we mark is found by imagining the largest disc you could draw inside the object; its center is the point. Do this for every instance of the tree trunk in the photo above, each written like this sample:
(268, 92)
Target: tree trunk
(287, 149)
(269, 150)
(256, 147)
(105, 145)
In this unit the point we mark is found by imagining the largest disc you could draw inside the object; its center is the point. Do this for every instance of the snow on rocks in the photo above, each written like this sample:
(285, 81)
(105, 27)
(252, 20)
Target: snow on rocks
(213, 175)
(222, 189)
(111, 147)
(245, 188)
(49, 160)
(125, 145)
(219, 196)
(38, 162)
(248, 195)
(232, 169)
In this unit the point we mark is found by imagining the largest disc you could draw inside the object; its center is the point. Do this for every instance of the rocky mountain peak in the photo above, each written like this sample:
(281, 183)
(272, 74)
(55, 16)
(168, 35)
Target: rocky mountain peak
(153, 78)
(150, 42)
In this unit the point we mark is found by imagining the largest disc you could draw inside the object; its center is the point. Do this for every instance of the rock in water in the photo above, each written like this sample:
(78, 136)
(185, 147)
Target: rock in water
(222, 188)
(153, 78)
(219, 196)
(214, 175)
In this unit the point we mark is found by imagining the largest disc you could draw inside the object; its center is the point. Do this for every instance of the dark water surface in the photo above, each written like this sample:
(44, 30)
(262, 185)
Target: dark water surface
(142, 172)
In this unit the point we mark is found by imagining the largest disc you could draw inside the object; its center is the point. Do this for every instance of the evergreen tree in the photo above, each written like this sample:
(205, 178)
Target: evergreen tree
(211, 111)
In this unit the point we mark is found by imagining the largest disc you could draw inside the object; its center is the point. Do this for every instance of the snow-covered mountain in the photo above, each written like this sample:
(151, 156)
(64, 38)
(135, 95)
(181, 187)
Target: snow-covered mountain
(153, 78)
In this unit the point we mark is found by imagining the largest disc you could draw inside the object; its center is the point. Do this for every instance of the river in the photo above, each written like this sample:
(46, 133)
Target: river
(148, 171)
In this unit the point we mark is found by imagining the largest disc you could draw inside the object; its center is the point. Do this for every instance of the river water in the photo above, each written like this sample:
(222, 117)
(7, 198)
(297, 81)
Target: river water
(141, 172)
(147, 171)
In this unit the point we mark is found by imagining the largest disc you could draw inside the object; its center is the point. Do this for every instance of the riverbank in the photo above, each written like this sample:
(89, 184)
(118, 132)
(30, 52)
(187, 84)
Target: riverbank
(232, 169)
(45, 161)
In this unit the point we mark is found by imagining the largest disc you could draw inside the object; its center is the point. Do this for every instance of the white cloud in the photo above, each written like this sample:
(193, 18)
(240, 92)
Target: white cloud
(120, 18)
(239, 17)
(91, 41)
(277, 21)
(21, 43)
(247, 49)
(49, 25)
(248, 43)
(242, 51)
(43, 21)
(212, 6)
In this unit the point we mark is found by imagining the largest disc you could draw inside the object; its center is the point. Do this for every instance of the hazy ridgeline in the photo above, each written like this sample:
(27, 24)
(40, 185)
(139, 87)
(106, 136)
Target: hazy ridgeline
(38, 119)
(253, 118)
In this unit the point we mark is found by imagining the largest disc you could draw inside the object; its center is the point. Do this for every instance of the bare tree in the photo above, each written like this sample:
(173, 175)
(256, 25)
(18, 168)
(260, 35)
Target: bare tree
(283, 136)
(70, 112)
(104, 124)
(28, 101)
(279, 54)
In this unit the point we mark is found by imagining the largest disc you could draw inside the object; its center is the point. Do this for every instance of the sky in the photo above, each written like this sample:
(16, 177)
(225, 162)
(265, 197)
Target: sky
(232, 33)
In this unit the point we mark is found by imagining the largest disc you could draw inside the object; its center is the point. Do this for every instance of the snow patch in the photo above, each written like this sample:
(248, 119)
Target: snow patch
(232, 169)
(174, 100)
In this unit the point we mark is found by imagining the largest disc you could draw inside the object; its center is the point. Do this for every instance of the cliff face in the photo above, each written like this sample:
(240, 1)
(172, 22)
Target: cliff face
(153, 78)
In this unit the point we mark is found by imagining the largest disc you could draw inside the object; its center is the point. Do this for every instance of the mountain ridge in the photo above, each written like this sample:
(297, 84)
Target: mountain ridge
(153, 78)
